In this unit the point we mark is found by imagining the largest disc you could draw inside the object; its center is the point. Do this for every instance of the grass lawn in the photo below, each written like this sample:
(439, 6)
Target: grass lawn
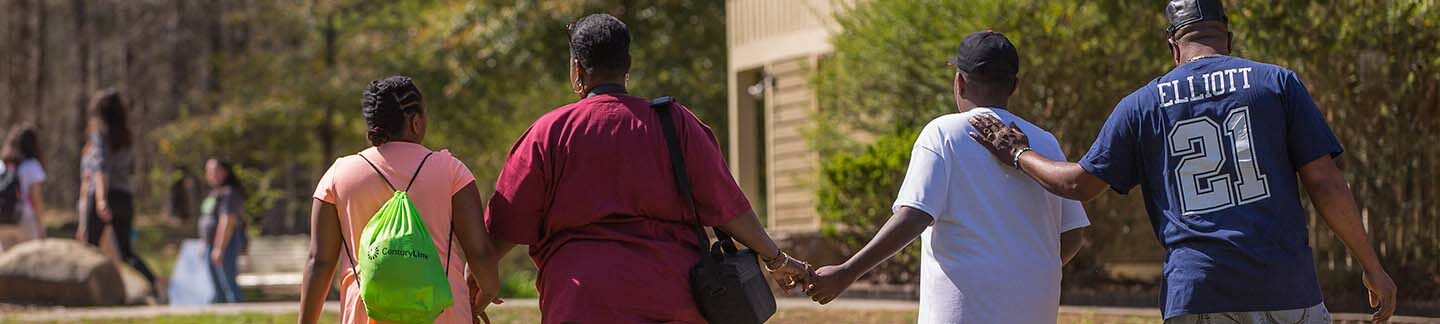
(532, 315)
(247, 318)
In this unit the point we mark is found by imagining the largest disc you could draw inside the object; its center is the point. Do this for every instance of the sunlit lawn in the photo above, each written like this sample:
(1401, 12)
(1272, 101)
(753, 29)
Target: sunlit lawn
(532, 315)
(247, 318)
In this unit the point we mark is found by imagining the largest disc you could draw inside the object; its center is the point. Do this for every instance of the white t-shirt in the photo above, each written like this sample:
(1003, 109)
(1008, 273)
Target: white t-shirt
(31, 173)
(993, 253)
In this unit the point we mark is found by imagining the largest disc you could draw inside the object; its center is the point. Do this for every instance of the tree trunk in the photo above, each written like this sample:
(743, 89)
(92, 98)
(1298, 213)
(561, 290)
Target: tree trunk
(179, 62)
(327, 128)
(16, 63)
(82, 52)
(217, 48)
(39, 68)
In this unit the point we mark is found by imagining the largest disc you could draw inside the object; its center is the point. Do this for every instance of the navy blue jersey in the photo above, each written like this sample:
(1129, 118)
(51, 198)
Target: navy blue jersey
(1215, 145)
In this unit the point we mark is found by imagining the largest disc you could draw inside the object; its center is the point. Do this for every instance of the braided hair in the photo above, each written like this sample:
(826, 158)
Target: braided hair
(387, 104)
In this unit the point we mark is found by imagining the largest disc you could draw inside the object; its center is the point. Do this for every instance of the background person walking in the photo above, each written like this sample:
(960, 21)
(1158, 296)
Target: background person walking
(107, 170)
(222, 228)
(21, 156)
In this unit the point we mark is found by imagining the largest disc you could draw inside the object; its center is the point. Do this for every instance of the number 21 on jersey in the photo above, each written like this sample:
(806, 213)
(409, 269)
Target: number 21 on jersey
(1200, 144)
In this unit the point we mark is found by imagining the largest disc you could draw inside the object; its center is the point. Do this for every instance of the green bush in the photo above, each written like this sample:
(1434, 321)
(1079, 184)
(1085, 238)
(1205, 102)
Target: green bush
(517, 275)
(855, 196)
(518, 284)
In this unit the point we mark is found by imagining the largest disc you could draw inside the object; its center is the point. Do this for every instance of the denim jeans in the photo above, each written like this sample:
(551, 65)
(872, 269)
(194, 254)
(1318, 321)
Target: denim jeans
(1310, 315)
(223, 275)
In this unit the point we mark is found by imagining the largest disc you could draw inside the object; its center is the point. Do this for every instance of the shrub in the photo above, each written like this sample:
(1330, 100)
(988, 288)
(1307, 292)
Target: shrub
(855, 198)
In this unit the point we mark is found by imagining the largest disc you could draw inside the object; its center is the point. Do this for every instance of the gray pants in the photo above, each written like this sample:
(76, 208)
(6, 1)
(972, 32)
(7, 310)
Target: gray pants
(1310, 315)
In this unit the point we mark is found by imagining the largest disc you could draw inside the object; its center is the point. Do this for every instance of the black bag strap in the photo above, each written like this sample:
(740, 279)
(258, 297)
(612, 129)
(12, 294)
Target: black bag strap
(349, 254)
(417, 170)
(382, 174)
(448, 241)
(662, 106)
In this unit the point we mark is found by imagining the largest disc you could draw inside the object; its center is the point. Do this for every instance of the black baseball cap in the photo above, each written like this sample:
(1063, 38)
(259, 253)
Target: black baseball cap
(988, 55)
(1183, 13)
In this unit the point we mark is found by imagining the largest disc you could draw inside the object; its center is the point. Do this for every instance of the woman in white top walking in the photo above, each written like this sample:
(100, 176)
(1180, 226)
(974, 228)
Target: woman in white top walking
(21, 151)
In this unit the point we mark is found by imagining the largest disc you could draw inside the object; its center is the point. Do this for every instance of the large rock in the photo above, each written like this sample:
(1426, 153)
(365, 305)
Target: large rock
(59, 272)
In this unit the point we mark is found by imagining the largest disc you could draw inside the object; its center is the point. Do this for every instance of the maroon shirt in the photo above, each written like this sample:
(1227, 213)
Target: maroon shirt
(590, 189)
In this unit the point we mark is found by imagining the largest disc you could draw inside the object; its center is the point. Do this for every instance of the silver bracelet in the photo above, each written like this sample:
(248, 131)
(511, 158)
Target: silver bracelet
(781, 256)
(1016, 161)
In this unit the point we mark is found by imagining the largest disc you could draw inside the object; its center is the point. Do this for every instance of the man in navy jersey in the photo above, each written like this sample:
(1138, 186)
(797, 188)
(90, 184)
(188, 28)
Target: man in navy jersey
(1219, 146)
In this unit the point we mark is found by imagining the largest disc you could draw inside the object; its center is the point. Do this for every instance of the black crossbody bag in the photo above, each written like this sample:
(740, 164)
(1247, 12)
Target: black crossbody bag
(728, 284)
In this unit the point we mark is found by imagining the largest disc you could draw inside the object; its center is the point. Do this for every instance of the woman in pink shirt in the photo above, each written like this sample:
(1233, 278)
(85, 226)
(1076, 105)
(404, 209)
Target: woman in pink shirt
(590, 189)
(352, 191)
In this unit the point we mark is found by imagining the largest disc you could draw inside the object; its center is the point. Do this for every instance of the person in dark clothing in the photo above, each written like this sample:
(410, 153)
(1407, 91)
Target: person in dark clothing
(107, 167)
(1220, 147)
(590, 190)
(222, 227)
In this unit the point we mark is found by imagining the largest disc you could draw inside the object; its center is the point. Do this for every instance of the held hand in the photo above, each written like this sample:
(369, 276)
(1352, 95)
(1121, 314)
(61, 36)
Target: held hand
(828, 283)
(483, 294)
(1382, 294)
(788, 272)
(1002, 141)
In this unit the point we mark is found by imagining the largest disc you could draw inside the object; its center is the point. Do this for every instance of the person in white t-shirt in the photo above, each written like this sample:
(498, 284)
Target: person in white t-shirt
(992, 240)
(21, 151)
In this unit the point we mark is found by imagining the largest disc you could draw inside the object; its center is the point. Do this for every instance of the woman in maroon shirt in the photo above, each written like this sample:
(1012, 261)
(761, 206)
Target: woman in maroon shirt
(588, 187)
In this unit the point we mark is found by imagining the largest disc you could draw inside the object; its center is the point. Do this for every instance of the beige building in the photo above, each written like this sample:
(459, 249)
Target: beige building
(774, 45)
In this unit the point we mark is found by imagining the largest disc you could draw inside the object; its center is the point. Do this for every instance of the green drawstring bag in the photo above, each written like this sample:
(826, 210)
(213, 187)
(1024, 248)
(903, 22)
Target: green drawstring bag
(400, 273)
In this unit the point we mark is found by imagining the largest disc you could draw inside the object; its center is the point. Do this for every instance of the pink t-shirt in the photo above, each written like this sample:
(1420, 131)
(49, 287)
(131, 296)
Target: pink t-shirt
(358, 192)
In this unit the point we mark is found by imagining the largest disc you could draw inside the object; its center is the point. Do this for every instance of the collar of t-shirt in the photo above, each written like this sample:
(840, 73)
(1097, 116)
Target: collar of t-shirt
(606, 88)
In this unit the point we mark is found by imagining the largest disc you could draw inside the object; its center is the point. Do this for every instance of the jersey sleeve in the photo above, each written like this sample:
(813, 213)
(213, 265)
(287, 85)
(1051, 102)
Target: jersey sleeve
(1308, 136)
(1115, 155)
(325, 190)
(718, 199)
(517, 209)
(927, 180)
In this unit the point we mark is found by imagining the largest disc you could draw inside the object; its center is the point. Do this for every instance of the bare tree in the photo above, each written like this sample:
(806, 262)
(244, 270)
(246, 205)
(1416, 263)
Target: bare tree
(39, 57)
